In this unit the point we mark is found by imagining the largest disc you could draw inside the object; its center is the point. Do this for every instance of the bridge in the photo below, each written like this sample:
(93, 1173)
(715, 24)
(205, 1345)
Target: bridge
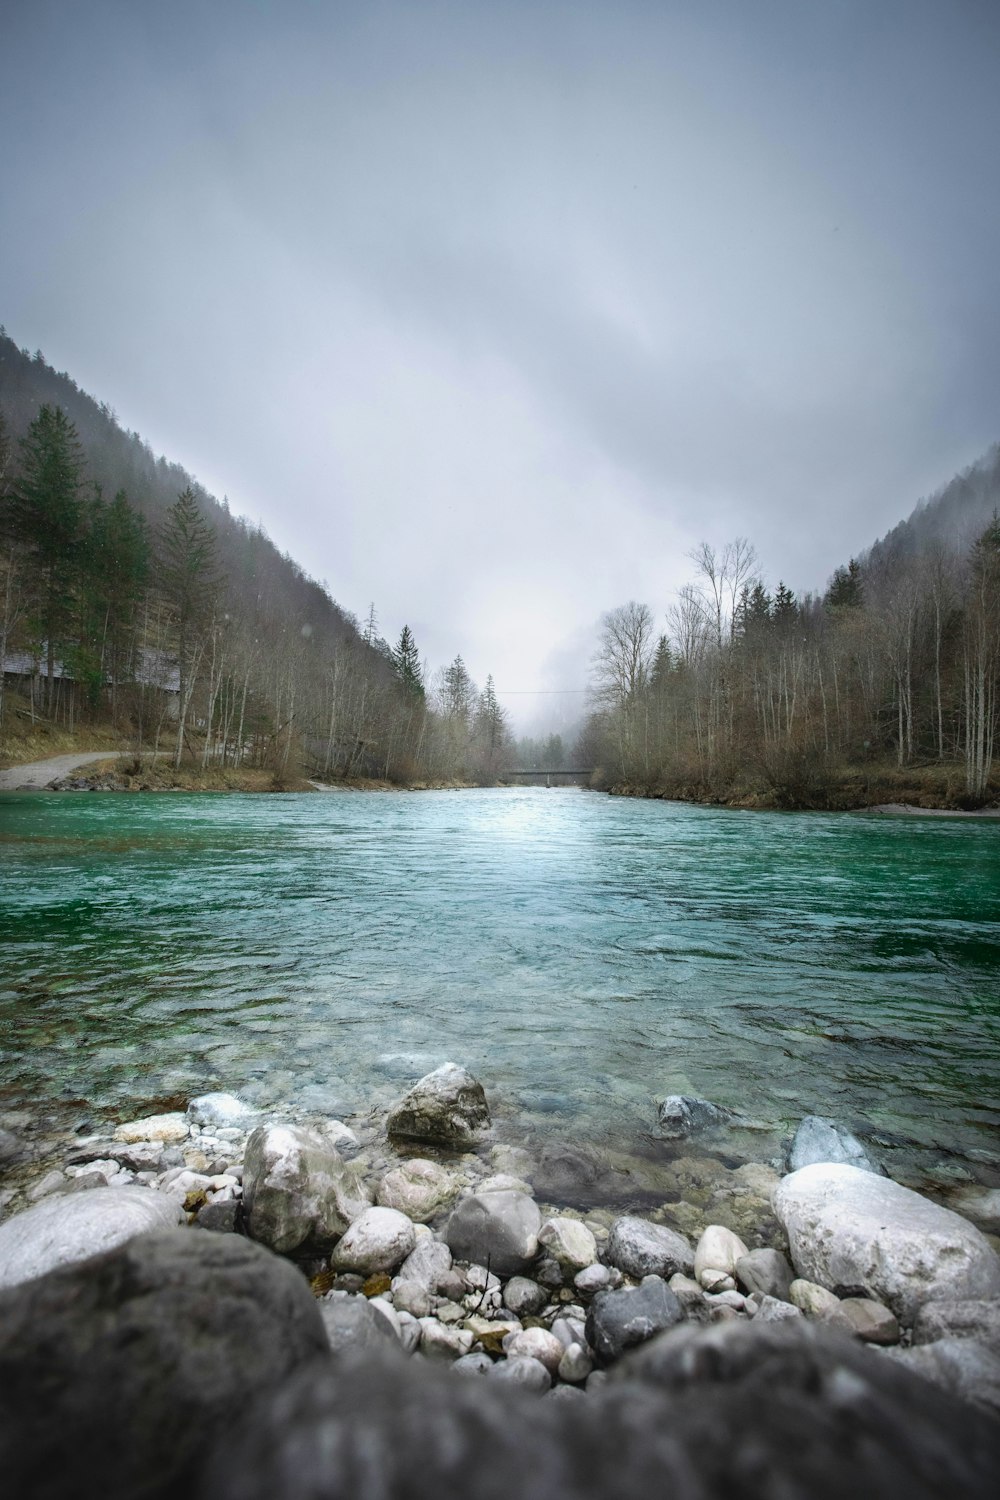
(548, 776)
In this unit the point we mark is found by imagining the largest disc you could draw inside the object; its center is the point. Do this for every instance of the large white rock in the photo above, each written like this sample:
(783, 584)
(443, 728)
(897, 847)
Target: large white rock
(718, 1250)
(170, 1129)
(380, 1239)
(72, 1227)
(848, 1228)
(417, 1188)
(297, 1189)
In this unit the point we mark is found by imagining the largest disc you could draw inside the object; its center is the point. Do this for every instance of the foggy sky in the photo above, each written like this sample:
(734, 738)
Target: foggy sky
(490, 312)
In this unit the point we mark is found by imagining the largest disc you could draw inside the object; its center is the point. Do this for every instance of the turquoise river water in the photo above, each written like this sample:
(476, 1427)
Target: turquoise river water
(582, 954)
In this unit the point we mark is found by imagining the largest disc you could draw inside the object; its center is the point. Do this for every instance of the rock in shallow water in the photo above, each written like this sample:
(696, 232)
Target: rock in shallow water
(681, 1115)
(447, 1106)
(849, 1228)
(219, 1109)
(71, 1227)
(821, 1140)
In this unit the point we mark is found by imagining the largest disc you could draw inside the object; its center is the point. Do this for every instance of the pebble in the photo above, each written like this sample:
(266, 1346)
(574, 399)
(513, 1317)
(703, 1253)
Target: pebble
(524, 1298)
(473, 1364)
(439, 1342)
(575, 1364)
(535, 1343)
(595, 1278)
(523, 1371)
(871, 1321)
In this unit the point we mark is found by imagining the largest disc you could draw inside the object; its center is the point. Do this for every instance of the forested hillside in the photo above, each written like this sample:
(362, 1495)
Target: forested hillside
(128, 594)
(752, 693)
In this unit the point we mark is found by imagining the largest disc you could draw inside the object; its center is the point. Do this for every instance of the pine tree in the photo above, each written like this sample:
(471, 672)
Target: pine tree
(45, 520)
(492, 737)
(189, 581)
(845, 590)
(117, 575)
(406, 660)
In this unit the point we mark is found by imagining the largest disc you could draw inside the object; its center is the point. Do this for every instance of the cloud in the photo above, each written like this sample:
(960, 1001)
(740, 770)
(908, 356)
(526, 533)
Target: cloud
(490, 312)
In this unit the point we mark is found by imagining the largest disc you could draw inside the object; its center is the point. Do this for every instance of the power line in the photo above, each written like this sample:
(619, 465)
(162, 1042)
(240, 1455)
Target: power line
(538, 692)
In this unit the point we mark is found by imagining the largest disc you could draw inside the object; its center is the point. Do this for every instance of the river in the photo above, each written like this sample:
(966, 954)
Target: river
(583, 955)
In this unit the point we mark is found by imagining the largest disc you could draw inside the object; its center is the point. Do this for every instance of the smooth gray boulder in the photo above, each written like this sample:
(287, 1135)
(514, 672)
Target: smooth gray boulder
(447, 1107)
(379, 1239)
(120, 1373)
(427, 1264)
(773, 1310)
(681, 1115)
(617, 1321)
(351, 1322)
(73, 1226)
(795, 1414)
(498, 1230)
(766, 1272)
(298, 1192)
(524, 1298)
(522, 1370)
(850, 1230)
(959, 1320)
(642, 1249)
(821, 1140)
(962, 1367)
(871, 1321)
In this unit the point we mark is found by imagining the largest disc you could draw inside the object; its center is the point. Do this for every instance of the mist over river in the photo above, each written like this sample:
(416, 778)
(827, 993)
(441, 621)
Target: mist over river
(582, 954)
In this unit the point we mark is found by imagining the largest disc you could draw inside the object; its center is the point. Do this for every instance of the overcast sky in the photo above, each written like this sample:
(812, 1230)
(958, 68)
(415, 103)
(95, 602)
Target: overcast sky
(490, 312)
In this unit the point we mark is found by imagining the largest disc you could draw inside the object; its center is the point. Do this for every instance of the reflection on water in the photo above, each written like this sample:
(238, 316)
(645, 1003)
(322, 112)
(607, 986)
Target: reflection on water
(582, 954)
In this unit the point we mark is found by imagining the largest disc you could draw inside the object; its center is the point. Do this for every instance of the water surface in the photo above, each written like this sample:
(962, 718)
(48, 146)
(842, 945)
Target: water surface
(582, 954)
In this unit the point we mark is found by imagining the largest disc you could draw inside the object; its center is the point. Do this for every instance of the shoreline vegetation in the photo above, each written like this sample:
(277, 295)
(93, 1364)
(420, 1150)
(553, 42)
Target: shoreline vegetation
(931, 789)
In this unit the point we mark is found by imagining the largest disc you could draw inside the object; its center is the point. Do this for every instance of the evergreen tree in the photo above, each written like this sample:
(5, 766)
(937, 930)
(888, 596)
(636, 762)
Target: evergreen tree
(785, 610)
(45, 521)
(845, 589)
(492, 737)
(406, 660)
(117, 575)
(189, 581)
(663, 664)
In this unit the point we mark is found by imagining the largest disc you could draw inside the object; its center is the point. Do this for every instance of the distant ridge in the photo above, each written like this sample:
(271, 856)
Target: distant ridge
(952, 518)
(118, 459)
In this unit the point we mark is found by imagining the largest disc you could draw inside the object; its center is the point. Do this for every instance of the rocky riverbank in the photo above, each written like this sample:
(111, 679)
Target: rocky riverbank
(419, 1241)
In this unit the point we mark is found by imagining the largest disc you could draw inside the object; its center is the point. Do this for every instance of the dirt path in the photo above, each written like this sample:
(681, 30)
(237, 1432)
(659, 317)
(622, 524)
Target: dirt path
(41, 773)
